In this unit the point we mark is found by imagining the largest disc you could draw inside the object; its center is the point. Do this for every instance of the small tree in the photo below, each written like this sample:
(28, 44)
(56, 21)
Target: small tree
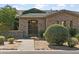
(3, 27)
(56, 34)
(7, 17)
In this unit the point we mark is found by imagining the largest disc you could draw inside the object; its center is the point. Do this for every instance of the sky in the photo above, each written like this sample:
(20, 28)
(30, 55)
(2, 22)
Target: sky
(73, 7)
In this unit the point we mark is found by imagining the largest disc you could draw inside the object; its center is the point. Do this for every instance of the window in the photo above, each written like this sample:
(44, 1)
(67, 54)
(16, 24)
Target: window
(64, 23)
(71, 23)
(57, 22)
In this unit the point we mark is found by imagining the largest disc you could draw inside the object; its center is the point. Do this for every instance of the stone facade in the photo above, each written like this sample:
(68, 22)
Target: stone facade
(23, 24)
(17, 34)
(52, 18)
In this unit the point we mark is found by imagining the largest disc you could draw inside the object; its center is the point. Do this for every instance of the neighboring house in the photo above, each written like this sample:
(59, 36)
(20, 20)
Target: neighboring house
(32, 23)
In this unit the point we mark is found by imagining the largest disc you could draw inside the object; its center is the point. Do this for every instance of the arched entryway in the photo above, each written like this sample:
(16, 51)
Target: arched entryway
(32, 28)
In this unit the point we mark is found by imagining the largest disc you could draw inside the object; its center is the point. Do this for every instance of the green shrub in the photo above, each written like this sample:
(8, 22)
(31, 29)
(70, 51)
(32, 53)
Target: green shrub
(56, 34)
(72, 32)
(10, 36)
(77, 36)
(72, 42)
(11, 40)
(41, 33)
(2, 38)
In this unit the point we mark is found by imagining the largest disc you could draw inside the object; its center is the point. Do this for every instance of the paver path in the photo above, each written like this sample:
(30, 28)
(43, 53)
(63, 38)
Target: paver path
(27, 44)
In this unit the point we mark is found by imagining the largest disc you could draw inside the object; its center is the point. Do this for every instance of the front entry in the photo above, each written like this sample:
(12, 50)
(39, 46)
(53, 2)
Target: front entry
(32, 28)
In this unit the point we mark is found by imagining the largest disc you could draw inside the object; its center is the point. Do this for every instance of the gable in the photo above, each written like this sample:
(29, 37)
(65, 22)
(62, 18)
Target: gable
(33, 10)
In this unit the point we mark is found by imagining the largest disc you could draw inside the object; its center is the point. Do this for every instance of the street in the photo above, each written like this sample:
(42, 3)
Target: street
(39, 52)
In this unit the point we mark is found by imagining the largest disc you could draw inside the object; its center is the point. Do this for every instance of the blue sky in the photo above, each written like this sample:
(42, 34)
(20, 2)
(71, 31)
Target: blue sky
(73, 7)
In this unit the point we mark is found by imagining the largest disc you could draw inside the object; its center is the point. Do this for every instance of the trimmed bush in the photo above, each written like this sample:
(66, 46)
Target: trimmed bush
(2, 38)
(72, 42)
(77, 36)
(10, 40)
(10, 36)
(72, 32)
(41, 33)
(56, 34)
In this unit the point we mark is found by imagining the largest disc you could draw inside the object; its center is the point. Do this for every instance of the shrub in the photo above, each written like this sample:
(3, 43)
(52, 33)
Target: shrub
(72, 42)
(56, 34)
(2, 38)
(10, 36)
(72, 32)
(11, 40)
(41, 33)
(77, 36)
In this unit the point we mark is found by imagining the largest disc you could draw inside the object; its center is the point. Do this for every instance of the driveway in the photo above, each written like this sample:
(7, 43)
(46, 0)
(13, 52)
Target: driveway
(27, 44)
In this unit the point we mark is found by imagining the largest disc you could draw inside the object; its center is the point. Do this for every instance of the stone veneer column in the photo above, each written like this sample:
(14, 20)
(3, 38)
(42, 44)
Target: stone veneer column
(23, 25)
(41, 24)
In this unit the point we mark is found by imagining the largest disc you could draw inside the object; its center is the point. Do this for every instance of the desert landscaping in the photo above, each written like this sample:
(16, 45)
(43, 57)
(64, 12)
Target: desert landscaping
(43, 45)
(36, 30)
(8, 46)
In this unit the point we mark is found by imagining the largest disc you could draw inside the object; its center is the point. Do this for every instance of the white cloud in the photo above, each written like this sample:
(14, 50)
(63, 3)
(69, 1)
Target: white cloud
(71, 5)
(18, 7)
(39, 6)
(59, 6)
(39, 1)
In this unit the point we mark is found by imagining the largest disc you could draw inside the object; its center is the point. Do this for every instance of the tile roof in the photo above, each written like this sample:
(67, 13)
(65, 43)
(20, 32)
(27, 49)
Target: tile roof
(48, 12)
(35, 15)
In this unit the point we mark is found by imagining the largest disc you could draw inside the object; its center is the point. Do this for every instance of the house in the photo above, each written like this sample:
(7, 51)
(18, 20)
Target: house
(32, 21)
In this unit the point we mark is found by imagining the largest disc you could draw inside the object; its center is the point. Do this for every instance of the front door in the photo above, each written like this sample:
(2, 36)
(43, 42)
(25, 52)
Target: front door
(32, 28)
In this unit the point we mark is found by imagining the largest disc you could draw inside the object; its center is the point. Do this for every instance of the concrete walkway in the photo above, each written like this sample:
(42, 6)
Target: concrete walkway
(27, 44)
